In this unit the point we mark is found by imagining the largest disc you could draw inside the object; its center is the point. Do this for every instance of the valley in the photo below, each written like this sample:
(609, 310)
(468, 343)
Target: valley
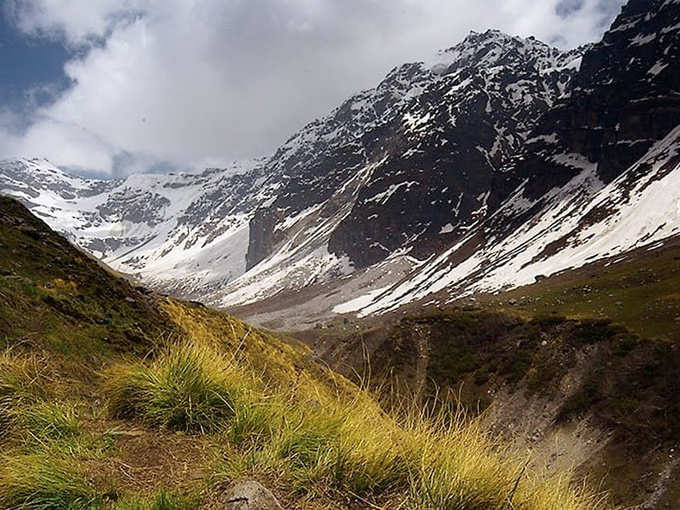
(457, 290)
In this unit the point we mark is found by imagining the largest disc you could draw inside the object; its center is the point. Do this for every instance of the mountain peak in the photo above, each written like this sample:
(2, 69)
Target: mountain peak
(497, 48)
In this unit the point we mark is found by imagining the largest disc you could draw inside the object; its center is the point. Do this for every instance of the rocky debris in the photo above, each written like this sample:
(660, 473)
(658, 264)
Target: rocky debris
(249, 495)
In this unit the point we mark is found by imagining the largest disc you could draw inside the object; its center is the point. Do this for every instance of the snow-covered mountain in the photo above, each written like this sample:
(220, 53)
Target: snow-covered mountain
(493, 162)
(180, 232)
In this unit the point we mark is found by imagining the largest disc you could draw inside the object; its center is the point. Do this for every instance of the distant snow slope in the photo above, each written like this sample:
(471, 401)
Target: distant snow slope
(185, 233)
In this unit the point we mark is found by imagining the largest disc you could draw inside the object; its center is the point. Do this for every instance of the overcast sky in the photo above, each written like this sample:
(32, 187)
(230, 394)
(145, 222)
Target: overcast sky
(111, 87)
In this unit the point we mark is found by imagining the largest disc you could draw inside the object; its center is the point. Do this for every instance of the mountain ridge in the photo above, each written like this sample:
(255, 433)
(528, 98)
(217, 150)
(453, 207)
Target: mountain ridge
(445, 175)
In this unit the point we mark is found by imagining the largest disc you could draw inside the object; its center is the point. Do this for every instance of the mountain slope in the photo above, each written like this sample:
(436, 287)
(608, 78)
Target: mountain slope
(479, 99)
(56, 297)
(598, 175)
(393, 190)
(172, 420)
(497, 161)
(584, 220)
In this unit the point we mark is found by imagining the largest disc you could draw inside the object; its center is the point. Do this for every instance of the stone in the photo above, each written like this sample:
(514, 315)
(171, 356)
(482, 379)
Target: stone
(249, 495)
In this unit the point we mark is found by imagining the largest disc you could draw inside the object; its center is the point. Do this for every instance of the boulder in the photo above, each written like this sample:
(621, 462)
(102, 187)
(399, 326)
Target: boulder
(249, 495)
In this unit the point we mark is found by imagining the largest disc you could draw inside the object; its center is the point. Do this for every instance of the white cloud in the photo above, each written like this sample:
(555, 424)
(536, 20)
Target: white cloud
(189, 81)
(77, 22)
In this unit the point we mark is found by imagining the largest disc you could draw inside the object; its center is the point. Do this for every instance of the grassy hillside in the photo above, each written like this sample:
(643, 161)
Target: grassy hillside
(111, 398)
(639, 290)
(596, 348)
(56, 297)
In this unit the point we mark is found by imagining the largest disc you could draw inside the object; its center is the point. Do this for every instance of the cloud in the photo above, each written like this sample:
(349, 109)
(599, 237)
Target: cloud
(181, 82)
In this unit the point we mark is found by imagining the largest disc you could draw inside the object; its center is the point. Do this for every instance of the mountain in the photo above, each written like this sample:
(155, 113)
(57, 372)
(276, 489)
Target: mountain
(178, 232)
(598, 176)
(494, 162)
(288, 217)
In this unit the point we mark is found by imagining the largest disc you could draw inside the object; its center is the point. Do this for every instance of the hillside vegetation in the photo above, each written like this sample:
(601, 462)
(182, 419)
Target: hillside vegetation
(587, 358)
(112, 398)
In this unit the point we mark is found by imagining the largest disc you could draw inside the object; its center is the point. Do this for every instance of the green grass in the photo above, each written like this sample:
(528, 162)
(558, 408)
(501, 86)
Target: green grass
(279, 418)
(639, 292)
(252, 423)
(22, 380)
(51, 420)
(162, 500)
(44, 482)
(185, 388)
(55, 297)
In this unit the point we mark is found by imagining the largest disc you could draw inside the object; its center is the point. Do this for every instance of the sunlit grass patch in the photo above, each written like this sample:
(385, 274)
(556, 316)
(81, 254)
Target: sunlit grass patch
(162, 500)
(254, 423)
(43, 482)
(23, 380)
(186, 387)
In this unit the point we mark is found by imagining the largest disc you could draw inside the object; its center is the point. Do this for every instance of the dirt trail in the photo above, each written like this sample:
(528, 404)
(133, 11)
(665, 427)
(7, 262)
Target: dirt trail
(422, 334)
(147, 460)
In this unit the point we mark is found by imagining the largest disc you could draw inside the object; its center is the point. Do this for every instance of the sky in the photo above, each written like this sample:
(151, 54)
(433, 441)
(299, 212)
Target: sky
(113, 87)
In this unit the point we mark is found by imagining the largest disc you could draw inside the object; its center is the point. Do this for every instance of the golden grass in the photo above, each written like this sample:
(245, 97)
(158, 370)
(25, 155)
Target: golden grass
(316, 436)
(23, 380)
(271, 413)
(45, 482)
(186, 387)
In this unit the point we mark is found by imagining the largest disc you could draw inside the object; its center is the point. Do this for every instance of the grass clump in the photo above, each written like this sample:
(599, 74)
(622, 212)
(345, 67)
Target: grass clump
(51, 420)
(22, 381)
(162, 500)
(42, 482)
(187, 388)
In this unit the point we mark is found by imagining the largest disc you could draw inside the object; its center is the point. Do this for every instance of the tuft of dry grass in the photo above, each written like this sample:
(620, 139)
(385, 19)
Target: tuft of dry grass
(23, 381)
(46, 420)
(45, 482)
(186, 387)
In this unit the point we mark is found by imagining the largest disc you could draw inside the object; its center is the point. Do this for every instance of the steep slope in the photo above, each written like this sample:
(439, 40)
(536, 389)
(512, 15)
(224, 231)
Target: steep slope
(598, 176)
(584, 220)
(53, 296)
(184, 233)
(581, 366)
(582, 393)
(401, 170)
(173, 418)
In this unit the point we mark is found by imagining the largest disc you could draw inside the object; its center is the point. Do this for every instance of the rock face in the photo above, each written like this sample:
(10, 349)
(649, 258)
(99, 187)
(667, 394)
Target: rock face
(495, 161)
(624, 99)
(249, 495)
(424, 146)
(598, 175)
